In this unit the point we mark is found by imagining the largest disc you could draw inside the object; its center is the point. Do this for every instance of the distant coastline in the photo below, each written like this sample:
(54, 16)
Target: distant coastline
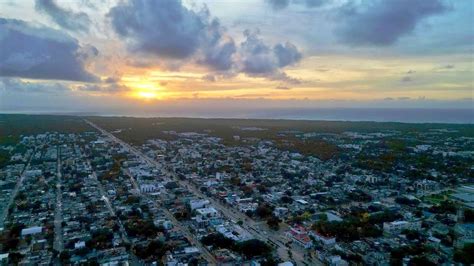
(401, 115)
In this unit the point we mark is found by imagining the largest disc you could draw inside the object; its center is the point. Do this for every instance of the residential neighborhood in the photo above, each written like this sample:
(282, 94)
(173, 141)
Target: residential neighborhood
(91, 197)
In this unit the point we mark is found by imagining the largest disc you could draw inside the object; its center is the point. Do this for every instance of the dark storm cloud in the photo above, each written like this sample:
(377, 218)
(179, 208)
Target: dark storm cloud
(218, 49)
(383, 22)
(65, 18)
(41, 53)
(169, 30)
(287, 54)
(259, 59)
(165, 28)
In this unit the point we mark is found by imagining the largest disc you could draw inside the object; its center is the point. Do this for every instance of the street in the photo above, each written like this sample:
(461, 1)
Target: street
(262, 234)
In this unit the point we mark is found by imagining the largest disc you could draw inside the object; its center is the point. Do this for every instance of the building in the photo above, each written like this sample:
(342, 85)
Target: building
(325, 240)
(398, 226)
(32, 230)
(207, 212)
(198, 203)
(299, 235)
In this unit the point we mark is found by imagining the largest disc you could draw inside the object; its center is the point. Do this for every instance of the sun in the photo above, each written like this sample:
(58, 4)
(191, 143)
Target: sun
(147, 91)
(148, 95)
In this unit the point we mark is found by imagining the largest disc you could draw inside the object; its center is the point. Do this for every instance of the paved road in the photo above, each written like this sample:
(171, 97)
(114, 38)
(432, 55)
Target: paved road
(191, 238)
(259, 232)
(109, 206)
(58, 215)
(123, 233)
(5, 213)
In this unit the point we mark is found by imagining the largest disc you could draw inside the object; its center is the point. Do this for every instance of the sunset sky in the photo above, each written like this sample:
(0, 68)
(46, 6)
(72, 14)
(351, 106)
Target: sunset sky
(89, 55)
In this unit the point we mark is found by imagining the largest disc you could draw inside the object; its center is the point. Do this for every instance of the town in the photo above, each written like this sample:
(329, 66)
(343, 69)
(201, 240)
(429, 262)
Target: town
(191, 198)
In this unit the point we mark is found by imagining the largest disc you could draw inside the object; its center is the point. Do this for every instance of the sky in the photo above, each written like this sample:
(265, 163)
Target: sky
(141, 55)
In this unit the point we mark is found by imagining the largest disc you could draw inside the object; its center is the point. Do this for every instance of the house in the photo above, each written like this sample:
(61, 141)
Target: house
(198, 203)
(207, 212)
(280, 211)
(398, 226)
(31, 230)
(325, 240)
(302, 202)
(299, 235)
(148, 188)
(336, 261)
(79, 245)
(4, 258)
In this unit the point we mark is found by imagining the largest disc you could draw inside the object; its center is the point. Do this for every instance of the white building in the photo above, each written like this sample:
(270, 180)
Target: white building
(31, 230)
(207, 212)
(148, 188)
(325, 240)
(398, 226)
(198, 203)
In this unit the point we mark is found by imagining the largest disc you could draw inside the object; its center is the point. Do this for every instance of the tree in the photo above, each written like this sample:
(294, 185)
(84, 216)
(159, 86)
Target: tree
(273, 222)
(253, 248)
(247, 191)
(264, 210)
(286, 200)
(421, 261)
(468, 215)
(465, 255)
(218, 240)
(262, 188)
(153, 251)
(444, 207)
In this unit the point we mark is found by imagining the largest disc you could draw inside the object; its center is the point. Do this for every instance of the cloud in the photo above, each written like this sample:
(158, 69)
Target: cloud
(287, 54)
(42, 53)
(218, 49)
(165, 28)
(406, 79)
(111, 80)
(103, 88)
(383, 22)
(170, 31)
(19, 86)
(278, 4)
(209, 77)
(447, 66)
(282, 4)
(315, 3)
(281, 87)
(65, 18)
(259, 59)
(403, 98)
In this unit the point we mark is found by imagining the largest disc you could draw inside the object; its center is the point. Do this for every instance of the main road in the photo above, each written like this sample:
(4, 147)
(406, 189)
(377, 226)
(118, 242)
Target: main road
(58, 212)
(191, 238)
(250, 225)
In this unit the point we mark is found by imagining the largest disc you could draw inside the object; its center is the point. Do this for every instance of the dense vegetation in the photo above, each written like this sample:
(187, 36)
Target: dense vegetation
(249, 249)
(138, 130)
(12, 126)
